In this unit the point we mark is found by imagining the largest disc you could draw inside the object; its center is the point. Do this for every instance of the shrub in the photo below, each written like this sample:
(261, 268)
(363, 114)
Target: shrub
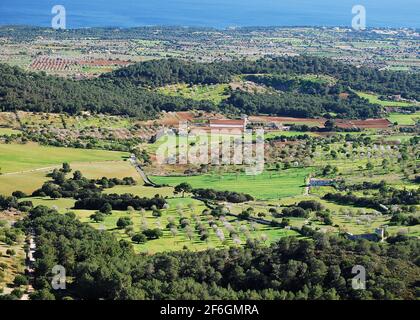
(20, 280)
(139, 238)
(124, 222)
(153, 233)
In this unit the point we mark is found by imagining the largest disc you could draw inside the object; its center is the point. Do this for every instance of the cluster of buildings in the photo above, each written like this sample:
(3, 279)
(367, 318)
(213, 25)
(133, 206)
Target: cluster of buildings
(222, 125)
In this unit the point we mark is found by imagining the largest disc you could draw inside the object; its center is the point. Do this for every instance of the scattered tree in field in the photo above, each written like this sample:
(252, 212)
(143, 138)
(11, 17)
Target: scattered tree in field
(369, 166)
(385, 164)
(130, 209)
(139, 238)
(183, 188)
(264, 237)
(156, 212)
(152, 234)
(191, 206)
(124, 222)
(174, 231)
(106, 209)
(97, 217)
(19, 194)
(142, 212)
(204, 236)
(246, 214)
(220, 234)
(66, 168)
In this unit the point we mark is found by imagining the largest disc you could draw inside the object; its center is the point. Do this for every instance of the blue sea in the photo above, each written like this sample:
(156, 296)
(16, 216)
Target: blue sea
(211, 13)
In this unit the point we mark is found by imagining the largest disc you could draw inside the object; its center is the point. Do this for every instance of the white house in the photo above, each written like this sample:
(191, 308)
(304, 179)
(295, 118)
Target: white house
(228, 124)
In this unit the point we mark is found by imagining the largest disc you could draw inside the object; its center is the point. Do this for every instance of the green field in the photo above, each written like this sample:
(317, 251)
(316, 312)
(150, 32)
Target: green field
(8, 132)
(142, 191)
(62, 205)
(269, 185)
(274, 134)
(25, 167)
(26, 182)
(215, 93)
(109, 169)
(178, 207)
(22, 157)
(375, 100)
(29, 181)
(98, 121)
(404, 119)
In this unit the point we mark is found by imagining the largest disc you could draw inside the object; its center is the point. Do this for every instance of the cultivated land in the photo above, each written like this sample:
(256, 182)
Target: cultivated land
(15, 158)
(373, 98)
(169, 242)
(8, 131)
(269, 185)
(25, 167)
(404, 119)
(214, 93)
(69, 58)
(357, 174)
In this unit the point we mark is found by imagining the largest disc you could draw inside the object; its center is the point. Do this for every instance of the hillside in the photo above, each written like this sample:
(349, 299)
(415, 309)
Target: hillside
(127, 91)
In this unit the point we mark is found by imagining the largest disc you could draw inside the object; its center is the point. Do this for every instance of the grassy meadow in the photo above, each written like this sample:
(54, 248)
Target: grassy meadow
(25, 167)
(269, 185)
(31, 156)
(215, 93)
(404, 119)
(373, 98)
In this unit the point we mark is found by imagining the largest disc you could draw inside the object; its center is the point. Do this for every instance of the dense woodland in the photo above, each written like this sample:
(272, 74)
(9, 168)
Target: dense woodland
(88, 192)
(157, 73)
(382, 202)
(103, 267)
(300, 105)
(294, 84)
(129, 91)
(41, 93)
(229, 196)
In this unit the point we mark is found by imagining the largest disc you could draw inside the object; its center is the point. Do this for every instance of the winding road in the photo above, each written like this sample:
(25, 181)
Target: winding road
(147, 181)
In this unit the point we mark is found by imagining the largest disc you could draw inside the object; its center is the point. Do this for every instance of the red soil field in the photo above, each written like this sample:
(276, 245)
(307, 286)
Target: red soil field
(364, 124)
(53, 64)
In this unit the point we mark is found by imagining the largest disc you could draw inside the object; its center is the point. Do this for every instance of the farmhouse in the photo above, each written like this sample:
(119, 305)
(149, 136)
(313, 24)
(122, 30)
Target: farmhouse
(378, 235)
(321, 182)
(228, 124)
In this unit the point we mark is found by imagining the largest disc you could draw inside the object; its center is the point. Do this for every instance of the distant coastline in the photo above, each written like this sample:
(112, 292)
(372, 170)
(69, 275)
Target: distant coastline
(226, 29)
(219, 14)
